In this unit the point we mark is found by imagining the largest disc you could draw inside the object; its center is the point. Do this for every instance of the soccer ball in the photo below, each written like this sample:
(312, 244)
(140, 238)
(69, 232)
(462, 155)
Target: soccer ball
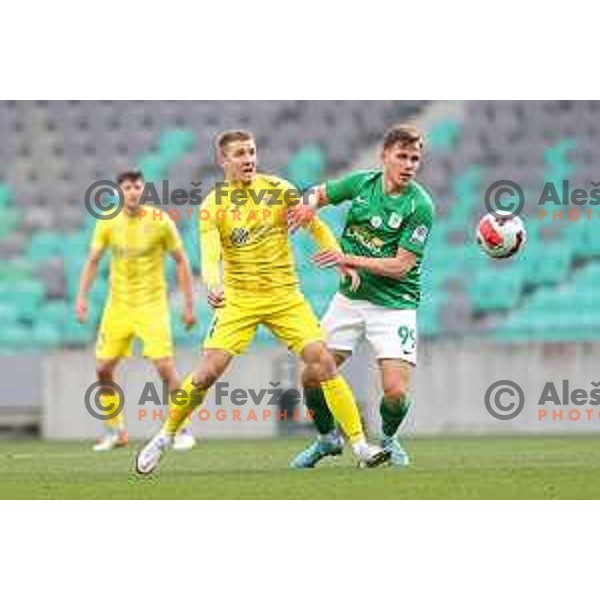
(501, 237)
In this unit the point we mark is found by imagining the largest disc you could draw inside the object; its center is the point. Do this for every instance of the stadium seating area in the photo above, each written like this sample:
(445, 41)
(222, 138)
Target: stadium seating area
(52, 151)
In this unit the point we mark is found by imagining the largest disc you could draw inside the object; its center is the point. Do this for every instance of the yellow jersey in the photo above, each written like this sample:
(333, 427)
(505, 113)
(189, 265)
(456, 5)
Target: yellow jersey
(247, 224)
(138, 244)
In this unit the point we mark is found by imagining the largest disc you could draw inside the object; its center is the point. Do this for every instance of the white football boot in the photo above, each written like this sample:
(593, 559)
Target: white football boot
(149, 456)
(111, 440)
(369, 456)
(184, 440)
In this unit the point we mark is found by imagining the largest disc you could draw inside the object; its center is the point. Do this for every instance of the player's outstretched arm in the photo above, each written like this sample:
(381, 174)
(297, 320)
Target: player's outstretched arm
(395, 267)
(211, 252)
(411, 246)
(333, 192)
(174, 246)
(327, 242)
(89, 271)
(86, 279)
(301, 214)
(185, 282)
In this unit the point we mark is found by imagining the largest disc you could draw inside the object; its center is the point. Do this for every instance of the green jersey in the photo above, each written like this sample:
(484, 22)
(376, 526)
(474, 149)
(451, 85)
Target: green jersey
(378, 225)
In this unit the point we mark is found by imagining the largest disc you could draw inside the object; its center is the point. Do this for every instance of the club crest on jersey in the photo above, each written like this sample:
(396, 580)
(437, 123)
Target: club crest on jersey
(376, 221)
(239, 236)
(394, 221)
(419, 234)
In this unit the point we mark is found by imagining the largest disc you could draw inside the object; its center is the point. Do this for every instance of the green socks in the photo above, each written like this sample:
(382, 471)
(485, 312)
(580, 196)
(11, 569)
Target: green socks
(392, 415)
(316, 403)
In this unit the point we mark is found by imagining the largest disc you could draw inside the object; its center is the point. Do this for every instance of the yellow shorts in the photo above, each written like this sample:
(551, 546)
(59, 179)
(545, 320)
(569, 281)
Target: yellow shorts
(120, 326)
(290, 318)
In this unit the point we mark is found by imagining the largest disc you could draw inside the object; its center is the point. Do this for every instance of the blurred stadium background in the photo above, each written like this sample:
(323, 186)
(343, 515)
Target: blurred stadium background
(532, 319)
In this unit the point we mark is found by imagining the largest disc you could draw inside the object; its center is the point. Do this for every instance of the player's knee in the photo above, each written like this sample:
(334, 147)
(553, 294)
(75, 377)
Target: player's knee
(104, 372)
(394, 391)
(166, 372)
(205, 377)
(310, 378)
(325, 367)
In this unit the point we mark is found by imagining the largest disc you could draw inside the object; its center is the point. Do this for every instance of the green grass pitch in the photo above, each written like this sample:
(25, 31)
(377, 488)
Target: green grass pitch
(450, 467)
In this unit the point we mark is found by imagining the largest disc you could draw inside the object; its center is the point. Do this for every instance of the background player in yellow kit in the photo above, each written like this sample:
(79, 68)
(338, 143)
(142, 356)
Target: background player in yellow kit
(245, 221)
(137, 304)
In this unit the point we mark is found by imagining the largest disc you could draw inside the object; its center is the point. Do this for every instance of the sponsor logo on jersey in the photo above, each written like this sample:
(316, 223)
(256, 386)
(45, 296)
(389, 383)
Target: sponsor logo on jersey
(240, 236)
(365, 238)
(360, 200)
(394, 221)
(419, 234)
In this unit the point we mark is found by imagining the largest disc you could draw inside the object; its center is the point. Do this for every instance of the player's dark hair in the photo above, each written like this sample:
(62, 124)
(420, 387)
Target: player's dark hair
(402, 134)
(234, 135)
(129, 175)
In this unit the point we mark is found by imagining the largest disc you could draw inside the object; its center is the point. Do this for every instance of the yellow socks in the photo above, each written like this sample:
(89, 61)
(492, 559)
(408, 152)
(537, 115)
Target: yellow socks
(182, 405)
(110, 403)
(338, 396)
(341, 403)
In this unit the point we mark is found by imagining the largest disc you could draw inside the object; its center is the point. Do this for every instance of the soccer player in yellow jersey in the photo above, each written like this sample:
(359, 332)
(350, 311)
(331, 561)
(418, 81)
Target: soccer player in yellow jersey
(241, 223)
(137, 304)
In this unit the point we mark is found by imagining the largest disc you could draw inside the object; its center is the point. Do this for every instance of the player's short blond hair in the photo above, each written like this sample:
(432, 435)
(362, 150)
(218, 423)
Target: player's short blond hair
(403, 134)
(234, 135)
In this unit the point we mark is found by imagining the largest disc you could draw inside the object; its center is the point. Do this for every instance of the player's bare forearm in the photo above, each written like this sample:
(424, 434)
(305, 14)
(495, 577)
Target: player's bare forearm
(396, 267)
(86, 279)
(320, 196)
(303, 213)
(88, 274)
(210, 244)
(185, 280)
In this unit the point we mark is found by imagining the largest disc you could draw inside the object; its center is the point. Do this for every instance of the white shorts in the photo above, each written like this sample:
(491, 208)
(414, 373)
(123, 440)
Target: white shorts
(392, 332)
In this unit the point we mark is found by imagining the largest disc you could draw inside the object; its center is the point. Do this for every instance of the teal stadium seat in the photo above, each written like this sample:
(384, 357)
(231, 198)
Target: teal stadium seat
(75, 245)
(307, 167)
(175, 143)
(583, 238)
(77, 334)
(443, 135)
(6, 195)
(45, 245)
(16, 270)
(155, 167)
(494, 290)
(56, 312)
(26, 294)
(47, 335)
(9, 314)
(547, 264)
(556, 315)
(588, 277)
(428, 313)
(15, 337)
(10, 219)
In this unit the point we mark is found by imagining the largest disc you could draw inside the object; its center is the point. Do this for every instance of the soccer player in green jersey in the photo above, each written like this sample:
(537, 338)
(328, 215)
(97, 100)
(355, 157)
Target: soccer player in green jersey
(384, 238)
